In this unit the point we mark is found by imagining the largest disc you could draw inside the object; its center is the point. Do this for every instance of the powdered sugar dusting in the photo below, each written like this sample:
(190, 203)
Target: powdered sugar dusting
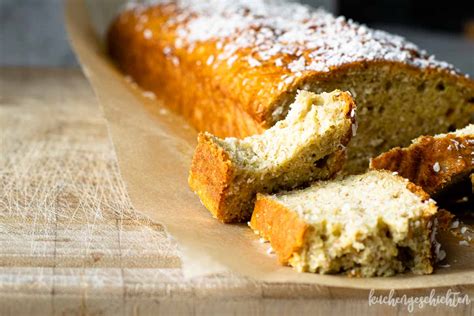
(309, 39)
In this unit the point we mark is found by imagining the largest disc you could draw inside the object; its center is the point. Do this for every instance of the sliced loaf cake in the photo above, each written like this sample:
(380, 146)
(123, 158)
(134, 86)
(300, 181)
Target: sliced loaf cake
(233, 67)
(309, 144)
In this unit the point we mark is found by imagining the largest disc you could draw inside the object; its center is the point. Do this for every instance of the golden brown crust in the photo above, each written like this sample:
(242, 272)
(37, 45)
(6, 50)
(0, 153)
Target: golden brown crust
(444, 219)
(210, 174)
(418, 191)
(281, 226)
(192, 88)
(430, 162)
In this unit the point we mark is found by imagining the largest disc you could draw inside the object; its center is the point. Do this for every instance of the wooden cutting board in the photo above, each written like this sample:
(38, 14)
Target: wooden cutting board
(71, 242)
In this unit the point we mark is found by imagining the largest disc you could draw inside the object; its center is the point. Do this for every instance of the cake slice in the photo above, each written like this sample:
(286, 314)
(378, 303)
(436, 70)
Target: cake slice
(433, 162)
(373, 224)
(309, 144)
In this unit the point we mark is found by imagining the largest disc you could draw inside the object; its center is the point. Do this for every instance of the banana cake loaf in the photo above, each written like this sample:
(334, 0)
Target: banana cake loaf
(309, 144)
(433, 162)
(233, 67)
(373, 224)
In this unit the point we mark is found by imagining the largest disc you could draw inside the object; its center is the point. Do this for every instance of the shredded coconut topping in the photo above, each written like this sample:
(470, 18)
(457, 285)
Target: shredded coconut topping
(310, 39)
(147, 34)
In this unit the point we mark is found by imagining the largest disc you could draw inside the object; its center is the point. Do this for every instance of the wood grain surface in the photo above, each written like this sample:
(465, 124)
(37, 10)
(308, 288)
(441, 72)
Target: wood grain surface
(72, 244)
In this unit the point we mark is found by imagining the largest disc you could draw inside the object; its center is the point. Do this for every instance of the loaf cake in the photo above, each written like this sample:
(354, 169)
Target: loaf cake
(373, 224)
(309, 144)
(433, 162)
(233, 67)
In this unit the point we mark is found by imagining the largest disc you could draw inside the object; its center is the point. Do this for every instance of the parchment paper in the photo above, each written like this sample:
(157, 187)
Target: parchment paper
(154, 149)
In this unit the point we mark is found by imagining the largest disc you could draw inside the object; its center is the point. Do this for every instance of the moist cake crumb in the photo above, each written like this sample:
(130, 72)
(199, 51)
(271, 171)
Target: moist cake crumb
(373, 224)
(309, 144)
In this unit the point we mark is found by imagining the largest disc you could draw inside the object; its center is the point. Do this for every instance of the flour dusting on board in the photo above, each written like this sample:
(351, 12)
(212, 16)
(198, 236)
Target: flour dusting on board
(62, 199)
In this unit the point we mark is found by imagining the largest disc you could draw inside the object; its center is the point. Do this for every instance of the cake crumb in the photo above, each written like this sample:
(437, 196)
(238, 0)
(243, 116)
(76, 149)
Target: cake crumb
(354, 129)
(149, 95)
(270, 251)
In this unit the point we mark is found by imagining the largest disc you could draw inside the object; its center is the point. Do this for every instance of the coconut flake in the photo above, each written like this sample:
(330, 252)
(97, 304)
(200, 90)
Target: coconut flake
(148, 34)
(253, 62)
(210, 60)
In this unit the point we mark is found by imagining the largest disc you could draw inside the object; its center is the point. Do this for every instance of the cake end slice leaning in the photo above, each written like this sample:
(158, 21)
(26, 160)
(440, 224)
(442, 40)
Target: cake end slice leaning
(433, 162)
(373, 224)
(309, 144)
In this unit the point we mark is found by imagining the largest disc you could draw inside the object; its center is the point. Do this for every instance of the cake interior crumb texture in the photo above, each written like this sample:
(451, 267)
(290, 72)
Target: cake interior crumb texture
(365, 225)
(309, 144)
(397, 104)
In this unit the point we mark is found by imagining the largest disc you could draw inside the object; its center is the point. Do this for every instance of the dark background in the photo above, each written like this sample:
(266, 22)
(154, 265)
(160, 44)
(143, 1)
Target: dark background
(448, 16)
(32, 31)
